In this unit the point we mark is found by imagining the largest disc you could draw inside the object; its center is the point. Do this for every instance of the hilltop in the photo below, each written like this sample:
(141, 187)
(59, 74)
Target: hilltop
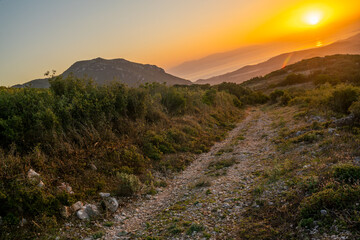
(103, 72)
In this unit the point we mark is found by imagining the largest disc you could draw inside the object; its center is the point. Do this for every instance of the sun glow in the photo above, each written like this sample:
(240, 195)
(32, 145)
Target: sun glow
(313, 17)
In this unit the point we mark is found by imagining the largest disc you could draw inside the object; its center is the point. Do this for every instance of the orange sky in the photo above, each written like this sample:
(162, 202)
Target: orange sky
(41, 35)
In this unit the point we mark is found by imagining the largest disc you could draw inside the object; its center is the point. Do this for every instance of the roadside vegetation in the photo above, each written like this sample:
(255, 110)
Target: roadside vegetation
(94, 139)
(311, 187)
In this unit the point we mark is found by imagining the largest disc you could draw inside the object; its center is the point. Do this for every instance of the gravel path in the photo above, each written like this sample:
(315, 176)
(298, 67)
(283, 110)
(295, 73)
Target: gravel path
(206, 200)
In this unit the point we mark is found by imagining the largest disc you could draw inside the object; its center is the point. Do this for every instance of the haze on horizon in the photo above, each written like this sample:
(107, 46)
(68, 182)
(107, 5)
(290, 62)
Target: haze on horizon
(41, 35)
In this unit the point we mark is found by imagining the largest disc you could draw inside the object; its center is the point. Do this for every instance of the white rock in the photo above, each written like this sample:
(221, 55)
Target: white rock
(81, 214)
(76, 206)
(93, 167)
(33, 176)
(104, 195)
(41, 184)
(111, 204)
(323, 212)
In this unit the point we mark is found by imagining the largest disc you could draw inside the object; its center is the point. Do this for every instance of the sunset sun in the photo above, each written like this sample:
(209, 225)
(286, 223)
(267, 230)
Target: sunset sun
(313, 18)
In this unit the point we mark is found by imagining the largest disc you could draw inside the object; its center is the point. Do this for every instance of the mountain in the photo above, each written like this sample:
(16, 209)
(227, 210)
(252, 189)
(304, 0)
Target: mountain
(348, 46)
(224, 62)
(308, 73)
(104, 71)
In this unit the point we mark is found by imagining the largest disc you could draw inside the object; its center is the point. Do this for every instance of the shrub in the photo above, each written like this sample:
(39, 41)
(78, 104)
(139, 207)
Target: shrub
(355, 109)
(342, 198)
(173, 100)
(209, 97)
(342, 98)
(347, 173)
(275, 95)
(129, 184)
(284, 99)
(195, 228)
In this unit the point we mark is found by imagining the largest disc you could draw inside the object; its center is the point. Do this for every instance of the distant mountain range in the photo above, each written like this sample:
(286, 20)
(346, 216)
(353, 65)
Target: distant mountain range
(220, 63)
(104, 71)
(348, 46)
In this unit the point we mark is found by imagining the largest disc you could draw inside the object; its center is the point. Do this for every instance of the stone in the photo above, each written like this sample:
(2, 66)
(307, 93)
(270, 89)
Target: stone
(81, 214)
(23, 222)
(111, 204)
(345, 121)
(323, 212)
(331, 130)
(91, 210)
(298, 133)
(65, 211)
(66, 188)
(93, 167)
(104, 195)
(41, 184)
(33, 176)
(77, 206)
(122, 233)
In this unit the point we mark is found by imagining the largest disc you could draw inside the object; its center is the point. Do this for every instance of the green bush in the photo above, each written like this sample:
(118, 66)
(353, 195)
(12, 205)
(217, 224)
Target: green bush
(337, 199)
(275, 95)
(209, 97)
(284, 99)
(347, 173)
(173, 100)
(129, 184)
(355, 109)
(342, 98)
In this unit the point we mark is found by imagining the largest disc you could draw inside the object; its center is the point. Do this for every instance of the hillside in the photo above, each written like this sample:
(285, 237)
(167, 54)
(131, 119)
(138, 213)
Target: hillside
(348, 46)
(220, 63)
(104, 71)
(333, 69)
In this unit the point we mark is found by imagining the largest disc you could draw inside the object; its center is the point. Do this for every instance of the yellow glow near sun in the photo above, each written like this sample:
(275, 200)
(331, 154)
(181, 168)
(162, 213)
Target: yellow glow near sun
(313, 17)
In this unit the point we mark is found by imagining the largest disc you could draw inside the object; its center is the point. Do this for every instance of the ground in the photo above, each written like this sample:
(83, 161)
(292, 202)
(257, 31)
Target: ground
(224, 191)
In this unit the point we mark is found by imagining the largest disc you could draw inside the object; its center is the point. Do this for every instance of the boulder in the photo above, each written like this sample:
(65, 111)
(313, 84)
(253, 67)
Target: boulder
(77, 206)
(111, 204)
(81, 214)
(91, 210)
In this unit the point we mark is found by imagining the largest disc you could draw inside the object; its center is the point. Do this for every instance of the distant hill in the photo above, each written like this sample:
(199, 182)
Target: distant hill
(224, 62)
(348, 46)
(104, 71)
(337, 68)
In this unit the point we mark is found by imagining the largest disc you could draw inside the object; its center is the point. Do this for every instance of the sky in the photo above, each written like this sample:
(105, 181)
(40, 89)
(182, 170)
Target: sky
(41, 35)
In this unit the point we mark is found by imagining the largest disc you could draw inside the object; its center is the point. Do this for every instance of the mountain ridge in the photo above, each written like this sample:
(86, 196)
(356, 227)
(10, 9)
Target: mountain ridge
(103, 71)
(348, 46)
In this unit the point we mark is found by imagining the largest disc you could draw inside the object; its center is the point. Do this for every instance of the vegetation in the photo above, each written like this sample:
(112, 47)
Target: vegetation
(109, 138)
